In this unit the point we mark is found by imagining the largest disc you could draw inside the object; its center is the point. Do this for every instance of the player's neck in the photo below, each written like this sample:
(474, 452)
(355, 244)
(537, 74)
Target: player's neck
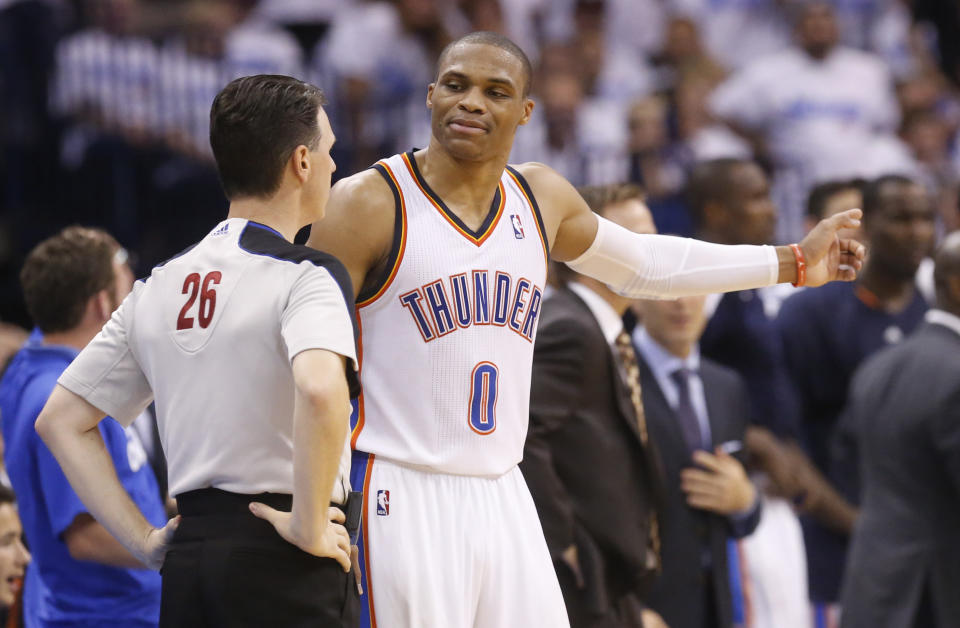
(467, 187)
(274, 213)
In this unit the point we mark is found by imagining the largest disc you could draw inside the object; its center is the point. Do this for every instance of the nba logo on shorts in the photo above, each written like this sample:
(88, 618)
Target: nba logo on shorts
(517, 226)
(383, 503)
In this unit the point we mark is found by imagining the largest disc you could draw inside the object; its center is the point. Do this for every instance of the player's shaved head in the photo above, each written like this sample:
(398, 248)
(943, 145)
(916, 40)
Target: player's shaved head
(489, 38)
(946, 274)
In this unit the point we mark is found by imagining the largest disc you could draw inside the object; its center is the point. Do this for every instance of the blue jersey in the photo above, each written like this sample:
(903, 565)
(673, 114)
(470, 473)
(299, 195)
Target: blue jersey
(60, 590)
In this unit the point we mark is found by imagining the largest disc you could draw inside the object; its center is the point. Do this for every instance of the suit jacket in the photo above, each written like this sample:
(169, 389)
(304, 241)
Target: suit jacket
(680, 591)
(591, 478)
(905, 412)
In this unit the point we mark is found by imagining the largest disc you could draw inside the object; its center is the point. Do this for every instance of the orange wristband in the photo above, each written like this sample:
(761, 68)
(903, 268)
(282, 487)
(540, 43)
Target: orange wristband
(801, 266)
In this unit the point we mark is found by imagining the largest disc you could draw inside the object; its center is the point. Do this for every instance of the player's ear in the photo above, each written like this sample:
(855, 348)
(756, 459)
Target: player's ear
(300, 161)
(528, 105)
(430, 95)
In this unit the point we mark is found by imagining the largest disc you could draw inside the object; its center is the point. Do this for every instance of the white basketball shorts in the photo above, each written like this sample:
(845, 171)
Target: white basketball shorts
(452, 551)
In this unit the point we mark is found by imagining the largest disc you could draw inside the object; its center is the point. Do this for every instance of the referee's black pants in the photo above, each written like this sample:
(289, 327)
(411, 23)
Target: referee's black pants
(227, 568)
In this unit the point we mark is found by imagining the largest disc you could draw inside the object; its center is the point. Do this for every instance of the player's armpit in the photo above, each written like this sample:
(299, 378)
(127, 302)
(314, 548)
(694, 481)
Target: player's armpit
(570, 224)
(358, 224)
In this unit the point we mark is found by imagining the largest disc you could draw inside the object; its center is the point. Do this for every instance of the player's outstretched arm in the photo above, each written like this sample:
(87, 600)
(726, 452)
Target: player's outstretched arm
(321, 413)
(357, 227)
(657, 266)
(68, 426)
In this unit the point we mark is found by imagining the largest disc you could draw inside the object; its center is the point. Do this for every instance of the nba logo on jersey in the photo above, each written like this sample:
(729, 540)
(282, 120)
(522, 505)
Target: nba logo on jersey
(383, 503)
(517, 226)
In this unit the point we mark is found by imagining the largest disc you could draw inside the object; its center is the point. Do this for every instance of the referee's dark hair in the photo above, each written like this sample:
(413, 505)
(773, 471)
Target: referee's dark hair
(61, 274)
(256, 122)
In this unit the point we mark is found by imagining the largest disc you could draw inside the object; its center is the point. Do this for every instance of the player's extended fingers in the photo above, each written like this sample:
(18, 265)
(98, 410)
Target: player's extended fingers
(700, 482)
(849, 219)
(336, 515)
(705, 501)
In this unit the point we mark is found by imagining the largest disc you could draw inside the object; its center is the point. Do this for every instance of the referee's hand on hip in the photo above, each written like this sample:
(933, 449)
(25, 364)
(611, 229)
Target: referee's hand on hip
(332, 541)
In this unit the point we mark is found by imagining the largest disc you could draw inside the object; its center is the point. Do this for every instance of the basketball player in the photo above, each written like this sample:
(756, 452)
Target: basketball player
(447, 248)
(243, 340)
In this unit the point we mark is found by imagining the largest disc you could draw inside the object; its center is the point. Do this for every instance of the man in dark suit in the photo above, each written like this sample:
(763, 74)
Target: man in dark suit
(697, 413)
(904, 413)
(586, 461)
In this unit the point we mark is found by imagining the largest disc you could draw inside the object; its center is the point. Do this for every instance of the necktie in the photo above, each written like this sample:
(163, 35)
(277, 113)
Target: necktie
(685, 412)
(631, 369)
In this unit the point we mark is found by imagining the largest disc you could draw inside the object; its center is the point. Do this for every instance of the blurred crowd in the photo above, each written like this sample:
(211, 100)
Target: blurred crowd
(741, 121)
(105, 103)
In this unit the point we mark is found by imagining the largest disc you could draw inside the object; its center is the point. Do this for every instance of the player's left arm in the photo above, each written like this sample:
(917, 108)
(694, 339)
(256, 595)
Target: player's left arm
(657, 266)
(68, 426)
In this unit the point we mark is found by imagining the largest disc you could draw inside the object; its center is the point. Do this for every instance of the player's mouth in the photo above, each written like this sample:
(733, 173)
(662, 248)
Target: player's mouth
(15, 582)
(468, 126)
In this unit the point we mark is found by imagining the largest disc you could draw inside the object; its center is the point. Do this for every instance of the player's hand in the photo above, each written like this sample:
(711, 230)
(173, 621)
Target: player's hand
(720, 486)
(157, 543)
(331, 542)
(828, 257)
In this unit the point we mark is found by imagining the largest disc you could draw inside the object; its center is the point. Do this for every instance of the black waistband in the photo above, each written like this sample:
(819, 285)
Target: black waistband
(213, 501)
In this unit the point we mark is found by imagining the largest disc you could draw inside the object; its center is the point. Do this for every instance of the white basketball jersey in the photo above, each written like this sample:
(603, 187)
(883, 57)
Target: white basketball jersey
(447, 333)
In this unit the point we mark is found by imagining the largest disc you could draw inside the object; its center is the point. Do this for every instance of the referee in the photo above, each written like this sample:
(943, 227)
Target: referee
(247, 344)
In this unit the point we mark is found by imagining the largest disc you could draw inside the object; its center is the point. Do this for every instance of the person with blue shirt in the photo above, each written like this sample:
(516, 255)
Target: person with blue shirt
(81, 575)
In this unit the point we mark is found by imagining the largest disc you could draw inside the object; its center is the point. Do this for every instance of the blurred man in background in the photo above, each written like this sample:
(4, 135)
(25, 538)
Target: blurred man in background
(72, 283)
(588, 461)
(904, 414)
(697, 413)
(828, 333)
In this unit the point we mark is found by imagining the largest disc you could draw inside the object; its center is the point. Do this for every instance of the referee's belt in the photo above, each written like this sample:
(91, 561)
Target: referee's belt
(213, 501)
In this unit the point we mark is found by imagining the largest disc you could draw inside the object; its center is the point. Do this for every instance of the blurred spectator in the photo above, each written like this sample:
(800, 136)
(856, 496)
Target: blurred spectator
(106, 76)
(833, 118)
(591, 471)
(14, 557)
(657, 165)
(928, 136)
(833, 197)
(81, 575)
(828, 332)
(737, 32)
(696, 414)
(903, 414)
(731, 200)
(381, 56)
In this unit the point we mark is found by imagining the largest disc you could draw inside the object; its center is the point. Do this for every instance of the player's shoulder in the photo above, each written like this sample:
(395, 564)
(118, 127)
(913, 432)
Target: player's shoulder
(364, 194)
(542, 180)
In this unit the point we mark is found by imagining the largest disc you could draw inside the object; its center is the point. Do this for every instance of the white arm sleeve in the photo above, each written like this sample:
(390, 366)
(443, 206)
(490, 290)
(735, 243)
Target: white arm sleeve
(666, 267)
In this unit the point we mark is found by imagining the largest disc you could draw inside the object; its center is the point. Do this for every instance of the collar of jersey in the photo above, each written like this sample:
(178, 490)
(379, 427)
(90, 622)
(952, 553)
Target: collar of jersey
(479, 236)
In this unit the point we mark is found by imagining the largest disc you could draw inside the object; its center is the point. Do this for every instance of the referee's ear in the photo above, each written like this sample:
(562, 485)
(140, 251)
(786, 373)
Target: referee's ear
(300, 162)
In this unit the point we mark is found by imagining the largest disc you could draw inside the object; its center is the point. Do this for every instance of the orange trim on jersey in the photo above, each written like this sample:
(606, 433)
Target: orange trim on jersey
(366, 540)
(543, 236)
(360, 413)
(403, 240)
(475, 240)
